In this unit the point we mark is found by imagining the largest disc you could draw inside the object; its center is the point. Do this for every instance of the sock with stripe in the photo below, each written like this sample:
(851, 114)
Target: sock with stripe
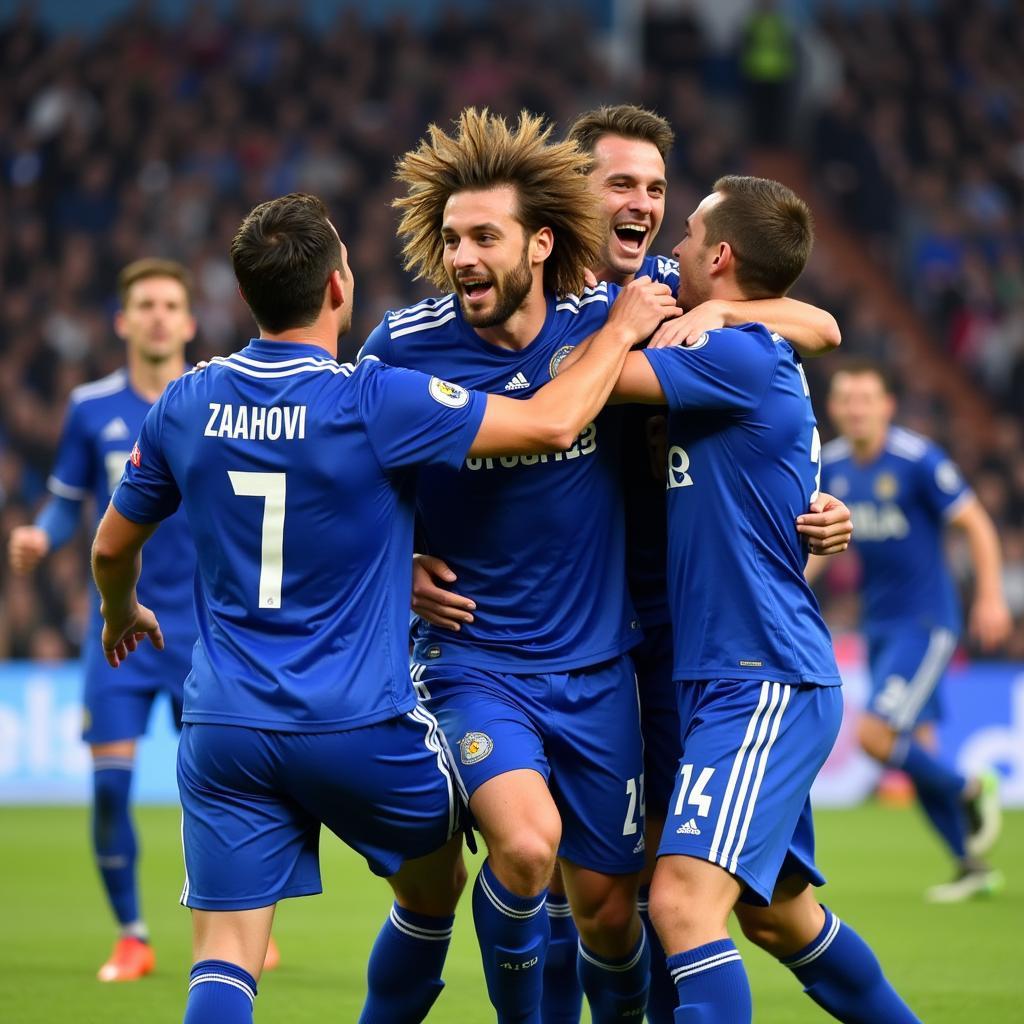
(661, 998)
(404, 972)
(113, 839)
(939, 790)
(842, 975)
(711, 985)
(616, 989)
(219, 993)
(513, 934)
(562, 1002)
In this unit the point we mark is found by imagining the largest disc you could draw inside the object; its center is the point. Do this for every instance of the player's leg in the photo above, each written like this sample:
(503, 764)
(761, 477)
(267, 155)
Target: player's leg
(836, 967)
(490, 721)
(563, 994)
(116, 713)
(659, 725)
(592, 736)
(907, 668)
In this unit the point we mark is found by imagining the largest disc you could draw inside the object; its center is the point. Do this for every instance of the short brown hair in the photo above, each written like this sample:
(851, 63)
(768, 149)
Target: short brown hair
(484, 153)
(855, 366)
(283, 254)
(140, 270)
(770, 229)
(628, 122)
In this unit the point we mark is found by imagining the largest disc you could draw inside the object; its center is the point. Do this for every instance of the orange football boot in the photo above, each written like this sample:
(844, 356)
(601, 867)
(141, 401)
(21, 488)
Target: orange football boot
(132, 959)
(273, 957)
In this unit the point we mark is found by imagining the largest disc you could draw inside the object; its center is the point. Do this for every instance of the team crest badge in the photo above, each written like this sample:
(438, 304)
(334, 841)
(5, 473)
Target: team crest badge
(448, 394)
(136, 456)
(474, 747)
(886, 487)
(557, 359)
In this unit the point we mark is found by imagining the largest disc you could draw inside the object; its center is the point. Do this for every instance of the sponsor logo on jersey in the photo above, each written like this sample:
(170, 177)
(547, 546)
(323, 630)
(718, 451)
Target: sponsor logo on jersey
(474, 747)
(886, 487)
(517, 383)
(585, 444)
(689, 829)
(557, 359)
(448, 394)
(136, 456)
(878, 522)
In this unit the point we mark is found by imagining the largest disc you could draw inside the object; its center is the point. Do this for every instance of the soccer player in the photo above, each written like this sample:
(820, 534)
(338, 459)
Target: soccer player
(903, 491)
(757, 684)
(103, 419)
(296, 474)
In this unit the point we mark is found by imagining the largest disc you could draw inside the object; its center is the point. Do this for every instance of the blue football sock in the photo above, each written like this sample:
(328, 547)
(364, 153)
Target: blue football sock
(113, 836)
(513, 935)
(662, 998)
(616, 989)
(939, 790)
(404, 972)
(711, 985)
(219, 993)
(562, 1002)
(842, 975)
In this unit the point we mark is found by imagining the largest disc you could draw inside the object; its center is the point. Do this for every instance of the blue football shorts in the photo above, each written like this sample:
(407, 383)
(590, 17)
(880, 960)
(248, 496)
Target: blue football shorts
(253, 802)
(117, 701)
(578, 729)
(659, 715)
(741, 799)
(907, 666)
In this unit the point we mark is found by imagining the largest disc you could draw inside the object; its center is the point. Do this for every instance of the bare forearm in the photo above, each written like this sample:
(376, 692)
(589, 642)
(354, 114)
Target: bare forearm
(116, 577)
(811, 330)
(986, 555)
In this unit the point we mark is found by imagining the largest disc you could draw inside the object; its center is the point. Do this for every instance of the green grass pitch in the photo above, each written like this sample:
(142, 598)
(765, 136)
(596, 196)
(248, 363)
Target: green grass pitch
(953, 963)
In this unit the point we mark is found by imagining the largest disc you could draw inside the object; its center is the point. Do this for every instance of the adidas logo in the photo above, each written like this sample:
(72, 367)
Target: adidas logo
(517, 383)
(115, 430)
(640, 846)
(689, 829)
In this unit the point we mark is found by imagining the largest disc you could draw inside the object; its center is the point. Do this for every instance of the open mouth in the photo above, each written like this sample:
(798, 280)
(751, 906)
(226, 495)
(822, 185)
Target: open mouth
(631, 236)
(475, 288)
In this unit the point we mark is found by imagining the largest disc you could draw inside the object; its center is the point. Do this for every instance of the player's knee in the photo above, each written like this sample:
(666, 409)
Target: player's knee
(523, 862)
(609, 921)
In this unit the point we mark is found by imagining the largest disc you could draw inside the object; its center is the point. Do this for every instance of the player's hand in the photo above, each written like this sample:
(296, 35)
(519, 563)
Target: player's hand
(990, 621)
(641, 306)
(688, 328)
(828, 525)
(432, 602)
(27, 547)
(121, 637)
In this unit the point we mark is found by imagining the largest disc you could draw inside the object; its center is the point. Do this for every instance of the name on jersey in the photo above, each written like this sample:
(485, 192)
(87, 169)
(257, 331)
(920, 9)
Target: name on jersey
(878, 522)
(256, 422)
(585, 444)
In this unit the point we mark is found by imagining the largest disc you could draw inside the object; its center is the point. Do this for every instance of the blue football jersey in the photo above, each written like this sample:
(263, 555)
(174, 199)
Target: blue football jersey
(644, 485)
(900, 502)
(743, 463)
(296, 474)
(102, 422)
(537, 541)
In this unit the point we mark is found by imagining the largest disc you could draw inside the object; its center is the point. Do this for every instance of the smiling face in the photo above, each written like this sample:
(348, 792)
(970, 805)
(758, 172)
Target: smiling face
(492, 263)
(156, 321)
(628, 176)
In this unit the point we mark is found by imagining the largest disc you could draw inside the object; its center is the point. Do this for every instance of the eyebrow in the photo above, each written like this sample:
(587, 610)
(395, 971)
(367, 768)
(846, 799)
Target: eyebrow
(476, 227)
(626, 176)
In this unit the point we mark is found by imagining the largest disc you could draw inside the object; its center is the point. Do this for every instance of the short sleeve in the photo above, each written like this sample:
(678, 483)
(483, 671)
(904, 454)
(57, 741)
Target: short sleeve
(378, 343)
(73, 473)
(148, 492)
(412, 418)
(941, 482)
(727, 370)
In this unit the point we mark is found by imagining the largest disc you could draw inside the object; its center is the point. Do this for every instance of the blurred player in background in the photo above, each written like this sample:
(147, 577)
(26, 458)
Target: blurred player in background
(103, 419)
(757, 683)
(904, 491)
(301, 667)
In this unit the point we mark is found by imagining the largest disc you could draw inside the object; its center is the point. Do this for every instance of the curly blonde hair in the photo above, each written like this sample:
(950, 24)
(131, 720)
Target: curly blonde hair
(485, 153)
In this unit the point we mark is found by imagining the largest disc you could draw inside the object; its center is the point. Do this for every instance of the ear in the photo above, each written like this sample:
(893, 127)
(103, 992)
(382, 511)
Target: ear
(541, 245)
(119, 325)
(336, 290)
(722, 260)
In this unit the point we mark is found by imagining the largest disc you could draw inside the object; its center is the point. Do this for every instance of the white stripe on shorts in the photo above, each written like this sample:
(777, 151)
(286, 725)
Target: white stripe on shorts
(941, 645)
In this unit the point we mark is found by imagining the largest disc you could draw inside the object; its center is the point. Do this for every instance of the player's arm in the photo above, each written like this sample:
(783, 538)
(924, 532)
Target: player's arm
(990, 621)
(55, 525)
(116, 564)
(810, 330)
(552, 418)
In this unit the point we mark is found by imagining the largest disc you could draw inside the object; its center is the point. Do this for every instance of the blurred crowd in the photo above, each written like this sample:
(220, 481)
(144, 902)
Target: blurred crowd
(150, 139)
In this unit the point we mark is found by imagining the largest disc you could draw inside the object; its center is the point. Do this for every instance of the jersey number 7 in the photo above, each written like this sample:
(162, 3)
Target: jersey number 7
(271, 487)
